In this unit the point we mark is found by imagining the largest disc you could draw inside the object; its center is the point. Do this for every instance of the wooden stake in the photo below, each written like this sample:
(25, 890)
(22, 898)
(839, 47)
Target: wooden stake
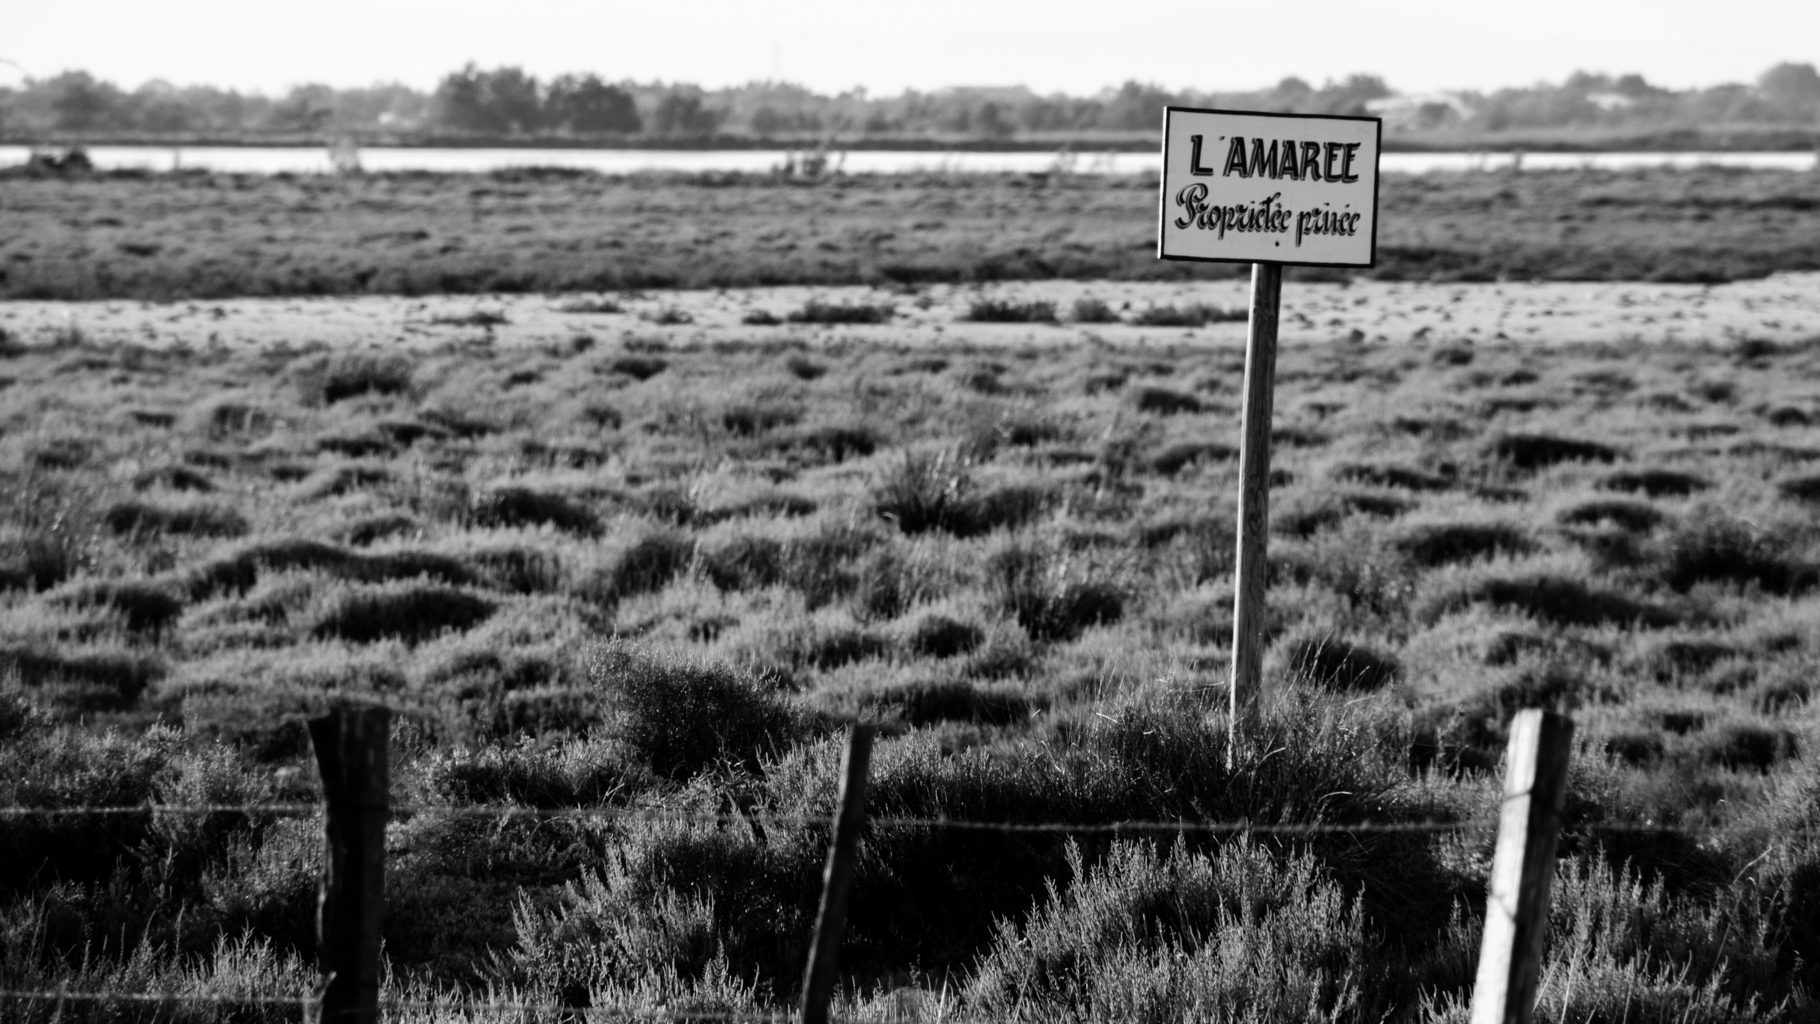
(351, 753)
(1254, 504)
(1516, 908)
(837, 879)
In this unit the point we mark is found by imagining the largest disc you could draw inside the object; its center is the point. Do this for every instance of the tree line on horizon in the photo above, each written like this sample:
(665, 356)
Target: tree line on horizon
(507, 102)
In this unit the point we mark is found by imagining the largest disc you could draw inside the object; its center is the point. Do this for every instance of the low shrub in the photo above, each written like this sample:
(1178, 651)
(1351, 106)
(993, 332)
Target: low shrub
(830, 442)
(1006, 311)
(1161, 401)
(1052, 602)
(1331, 663)
(380, 526)
(939, 636)
(411, 611)
(1309, 514)
(514, 506)
(1089, 310)
(1531, 452)
(937, 492)
(148, 606)
(953, 700)
(1631, 516)
(749, 419)
(1192, 315)
(1239, 932)
(639, 367)
(644, 566)
(1386, 475)
(1174, 458)
(579, 773)
(1748, 746)
(803, 368)
(590, 306)
(119, 674)
(1433, 544)
(1801, 488)
(1550, 597)
(816, 311)
(173, 477)
(346, 478)
(139, 517)
(682, 717)
(1713, 547)
(353, 374)
(761, 318)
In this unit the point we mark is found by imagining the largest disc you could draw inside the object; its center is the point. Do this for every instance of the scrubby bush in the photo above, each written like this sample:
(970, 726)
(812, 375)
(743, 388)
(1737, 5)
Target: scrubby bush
(1333, 663)
(1053, 601)
(1007, 311)
(681, 717)
(939, 636)
(932, 701)
(1192, 315)
(1713, 547)
(1174, 458)
(352, 374)
(139, 517)
(410, 611)
(641, 367)
(1163, 401)
(514, 506)
(1387, 475)
(938, 492)
(645, 565)
(1632, 516)
(1089, 310)
(148, 606)
(1531, 452)
(1237, 933)
(816, 311)
(1432, 544)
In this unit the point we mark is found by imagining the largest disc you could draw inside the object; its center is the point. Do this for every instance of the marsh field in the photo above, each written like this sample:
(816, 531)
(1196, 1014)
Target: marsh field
(200, 235)
(645, 570)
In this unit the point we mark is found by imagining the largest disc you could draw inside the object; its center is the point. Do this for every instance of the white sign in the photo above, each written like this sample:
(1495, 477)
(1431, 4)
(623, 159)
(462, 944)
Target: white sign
(1269, 188)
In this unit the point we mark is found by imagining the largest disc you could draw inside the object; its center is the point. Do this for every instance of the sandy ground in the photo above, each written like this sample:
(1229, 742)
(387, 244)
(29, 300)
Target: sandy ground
(1782, 308)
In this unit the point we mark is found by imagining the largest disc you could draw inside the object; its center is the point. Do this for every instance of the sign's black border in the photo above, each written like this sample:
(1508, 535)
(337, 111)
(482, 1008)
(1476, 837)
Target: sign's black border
(1377, 184)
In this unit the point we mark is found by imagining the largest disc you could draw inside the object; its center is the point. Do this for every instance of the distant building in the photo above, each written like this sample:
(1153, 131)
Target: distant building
(1420, 111)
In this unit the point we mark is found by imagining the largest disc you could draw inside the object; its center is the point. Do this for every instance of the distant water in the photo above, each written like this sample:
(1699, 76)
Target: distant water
(316, 160)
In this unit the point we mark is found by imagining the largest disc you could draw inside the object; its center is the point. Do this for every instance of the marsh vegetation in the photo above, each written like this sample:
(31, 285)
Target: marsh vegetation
(200, 235)
(643, 577)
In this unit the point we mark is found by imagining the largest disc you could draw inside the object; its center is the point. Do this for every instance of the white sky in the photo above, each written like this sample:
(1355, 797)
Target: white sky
(1075, 46)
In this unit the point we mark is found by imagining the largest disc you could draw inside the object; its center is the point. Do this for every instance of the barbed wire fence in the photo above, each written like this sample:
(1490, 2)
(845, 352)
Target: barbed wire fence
(1530, 823)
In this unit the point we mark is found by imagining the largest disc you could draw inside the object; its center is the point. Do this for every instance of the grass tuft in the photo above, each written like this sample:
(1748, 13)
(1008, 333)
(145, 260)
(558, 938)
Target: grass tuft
(1161, 401)
(1008, 311)
(681, 717)
(816, 311)
(1331, 663)
(1530, 452)
(514, 506)
(411, 611)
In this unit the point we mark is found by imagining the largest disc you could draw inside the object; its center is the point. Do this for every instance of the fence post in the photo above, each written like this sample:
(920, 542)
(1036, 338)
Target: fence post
(1516, 906)
(837, 879)
(350, 748)
(1254, 506)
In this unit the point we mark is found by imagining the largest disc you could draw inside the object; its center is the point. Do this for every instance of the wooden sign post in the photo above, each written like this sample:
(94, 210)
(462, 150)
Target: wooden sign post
(1272, 190)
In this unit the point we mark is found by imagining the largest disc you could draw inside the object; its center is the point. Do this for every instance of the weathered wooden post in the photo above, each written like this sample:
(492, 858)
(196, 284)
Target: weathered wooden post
(1249, 568)
(350, 748)
(1272, 190)
(837, 879)
(1516, 907)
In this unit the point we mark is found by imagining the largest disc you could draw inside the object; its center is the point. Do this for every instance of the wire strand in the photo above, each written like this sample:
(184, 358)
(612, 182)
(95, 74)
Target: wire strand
(505, 813)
